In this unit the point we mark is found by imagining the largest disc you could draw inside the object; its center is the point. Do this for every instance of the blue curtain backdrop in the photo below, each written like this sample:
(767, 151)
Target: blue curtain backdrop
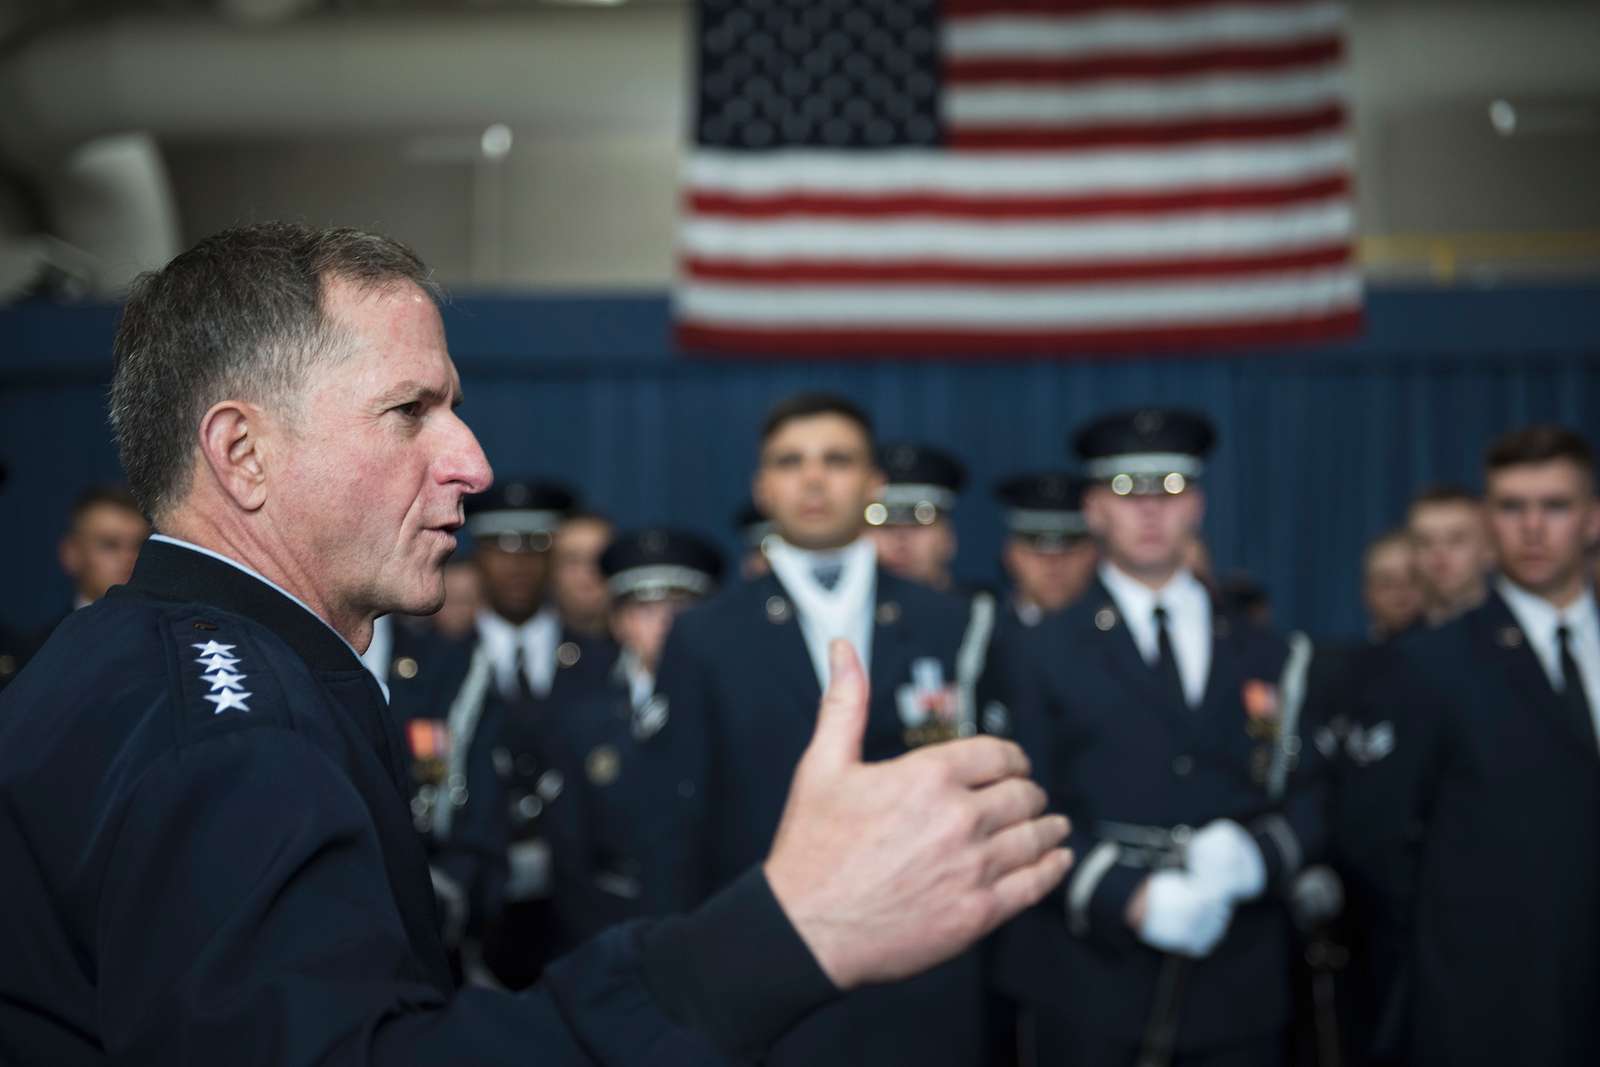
(1320, 449)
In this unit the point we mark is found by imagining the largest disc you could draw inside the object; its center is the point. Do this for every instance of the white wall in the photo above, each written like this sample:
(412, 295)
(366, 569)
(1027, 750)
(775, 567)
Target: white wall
(375, 124)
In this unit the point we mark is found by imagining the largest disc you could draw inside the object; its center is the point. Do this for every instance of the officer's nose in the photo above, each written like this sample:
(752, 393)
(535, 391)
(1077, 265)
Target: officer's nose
(463, 461)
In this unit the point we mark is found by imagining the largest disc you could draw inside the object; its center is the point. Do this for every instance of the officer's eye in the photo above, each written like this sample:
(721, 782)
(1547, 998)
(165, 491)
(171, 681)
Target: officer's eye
(411, 410)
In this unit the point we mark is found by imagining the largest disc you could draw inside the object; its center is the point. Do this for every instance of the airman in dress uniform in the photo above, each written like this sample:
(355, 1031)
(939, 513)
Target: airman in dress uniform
(733, 733)
(1474, 804)
(1158, 724)
(910, 520)
(652, 575)
(526, 669)
(1048, 553)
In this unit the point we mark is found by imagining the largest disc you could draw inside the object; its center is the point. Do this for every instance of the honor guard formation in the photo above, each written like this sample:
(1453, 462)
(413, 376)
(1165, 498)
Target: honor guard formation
(349, 750)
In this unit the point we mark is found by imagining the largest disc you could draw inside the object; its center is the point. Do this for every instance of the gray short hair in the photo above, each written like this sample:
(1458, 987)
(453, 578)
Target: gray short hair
(239, 316)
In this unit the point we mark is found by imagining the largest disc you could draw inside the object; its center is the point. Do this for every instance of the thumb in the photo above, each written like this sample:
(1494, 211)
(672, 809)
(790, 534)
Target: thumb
(842, 717)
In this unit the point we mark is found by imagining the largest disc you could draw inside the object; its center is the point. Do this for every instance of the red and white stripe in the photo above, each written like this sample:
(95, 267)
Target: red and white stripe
(1135, 174)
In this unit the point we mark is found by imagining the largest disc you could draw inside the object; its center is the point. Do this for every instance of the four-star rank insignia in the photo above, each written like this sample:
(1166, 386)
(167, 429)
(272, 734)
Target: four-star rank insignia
(220, 670)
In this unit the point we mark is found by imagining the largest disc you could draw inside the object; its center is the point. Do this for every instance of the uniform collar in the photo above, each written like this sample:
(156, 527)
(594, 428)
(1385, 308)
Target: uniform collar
(1538, 617)
(171, 569)
(1183, 591)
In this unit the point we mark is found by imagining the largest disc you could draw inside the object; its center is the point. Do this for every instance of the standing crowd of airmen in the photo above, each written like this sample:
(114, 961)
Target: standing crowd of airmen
(1381, 852)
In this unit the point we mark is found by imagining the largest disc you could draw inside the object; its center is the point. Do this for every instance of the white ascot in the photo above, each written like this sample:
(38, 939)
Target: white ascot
(844, 611)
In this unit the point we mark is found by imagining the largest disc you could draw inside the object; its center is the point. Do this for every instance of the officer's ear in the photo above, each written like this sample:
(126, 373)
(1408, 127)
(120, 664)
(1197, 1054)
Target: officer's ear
(230, 443)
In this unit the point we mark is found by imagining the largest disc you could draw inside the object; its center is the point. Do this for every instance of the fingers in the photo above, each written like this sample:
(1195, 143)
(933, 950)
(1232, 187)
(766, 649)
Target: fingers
(1007, 802)
(1026, 886)
(842, 716)
(978, 761)
(1022, 844)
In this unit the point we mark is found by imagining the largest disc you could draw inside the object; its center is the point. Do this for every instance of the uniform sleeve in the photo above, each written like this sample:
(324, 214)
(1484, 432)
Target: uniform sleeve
(245, 916)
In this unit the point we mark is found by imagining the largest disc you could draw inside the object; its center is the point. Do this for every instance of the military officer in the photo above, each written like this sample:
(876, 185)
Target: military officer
(1158, 725)
(576, 586)
(1475, 787)
(652, 575)
(1453, 558)
(208, 858)
(526, 669)
(735, 729)
(910, 520)
(1048, 553)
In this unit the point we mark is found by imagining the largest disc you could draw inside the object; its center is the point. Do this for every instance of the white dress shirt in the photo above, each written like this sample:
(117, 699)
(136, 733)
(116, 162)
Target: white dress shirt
(847, 610)
(1188, 608)
(538, 639)
(1539, 620)
(376, 657)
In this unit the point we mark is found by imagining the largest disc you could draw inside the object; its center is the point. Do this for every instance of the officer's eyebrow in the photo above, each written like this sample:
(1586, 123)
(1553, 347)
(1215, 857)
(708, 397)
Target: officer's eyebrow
(410, 391)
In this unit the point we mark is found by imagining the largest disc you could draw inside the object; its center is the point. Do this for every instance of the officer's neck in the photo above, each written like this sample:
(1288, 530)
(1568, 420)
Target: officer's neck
(273, 559)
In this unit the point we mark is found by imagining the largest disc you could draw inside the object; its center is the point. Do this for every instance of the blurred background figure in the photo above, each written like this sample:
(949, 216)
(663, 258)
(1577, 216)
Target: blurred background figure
(1390, 588)
(104, 532)
(576, 584)
(753, 528)
(463, 599)
(910, 521)
(740, 676)
(601, 827)
(1476, 788)
(1048, 556)
(1453, 555)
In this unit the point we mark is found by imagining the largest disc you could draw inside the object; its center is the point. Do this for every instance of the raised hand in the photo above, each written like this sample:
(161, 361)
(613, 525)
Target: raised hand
(887, 869)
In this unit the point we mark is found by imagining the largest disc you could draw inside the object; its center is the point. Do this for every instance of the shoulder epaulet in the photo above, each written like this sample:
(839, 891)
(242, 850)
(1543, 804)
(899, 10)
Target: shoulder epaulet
(223, 678)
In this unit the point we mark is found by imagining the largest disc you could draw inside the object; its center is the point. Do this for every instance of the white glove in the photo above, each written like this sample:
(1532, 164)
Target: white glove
(1223, 857)
(1182, 915)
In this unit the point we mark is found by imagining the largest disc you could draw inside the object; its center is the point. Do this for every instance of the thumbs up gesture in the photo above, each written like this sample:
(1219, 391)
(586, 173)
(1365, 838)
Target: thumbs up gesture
(887, 869)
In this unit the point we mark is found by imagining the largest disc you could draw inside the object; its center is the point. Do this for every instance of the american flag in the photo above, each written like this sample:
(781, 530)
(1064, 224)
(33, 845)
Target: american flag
(1016, 176)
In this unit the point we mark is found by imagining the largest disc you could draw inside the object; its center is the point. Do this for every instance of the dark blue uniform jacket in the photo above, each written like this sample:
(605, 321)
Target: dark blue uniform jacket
(208, 860)
(1113, 749)
(742, 698)
(1478, 794)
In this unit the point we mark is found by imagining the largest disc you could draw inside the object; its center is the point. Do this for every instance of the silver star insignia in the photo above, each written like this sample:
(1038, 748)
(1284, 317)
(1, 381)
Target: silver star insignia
(216, 662)
(211, 648)
(223, 679)
(228, 698)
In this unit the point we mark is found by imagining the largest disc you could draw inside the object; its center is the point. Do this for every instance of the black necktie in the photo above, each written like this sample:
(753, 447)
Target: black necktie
(1166, 665)
(1572, 691)
(828, 574)
(522, 689)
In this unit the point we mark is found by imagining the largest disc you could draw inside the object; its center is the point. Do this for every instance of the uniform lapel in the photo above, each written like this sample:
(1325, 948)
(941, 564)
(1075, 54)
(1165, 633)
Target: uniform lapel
(890, 647)
(1109, 634)
(1497, 631)
(781, 647)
